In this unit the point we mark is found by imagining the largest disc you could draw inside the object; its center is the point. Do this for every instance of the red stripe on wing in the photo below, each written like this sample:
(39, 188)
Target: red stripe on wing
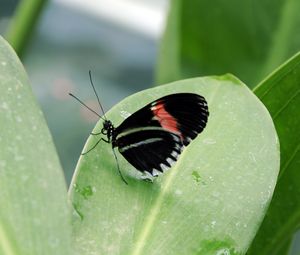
(166, 120)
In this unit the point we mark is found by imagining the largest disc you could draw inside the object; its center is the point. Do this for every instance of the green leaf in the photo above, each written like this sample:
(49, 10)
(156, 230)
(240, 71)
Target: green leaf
(212, 201)
(170, 47)
(247, 38)
(286, 248)
(34, 215)
(280, 93)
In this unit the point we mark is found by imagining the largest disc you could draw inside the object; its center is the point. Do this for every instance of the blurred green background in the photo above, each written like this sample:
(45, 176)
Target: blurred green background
(116, 40)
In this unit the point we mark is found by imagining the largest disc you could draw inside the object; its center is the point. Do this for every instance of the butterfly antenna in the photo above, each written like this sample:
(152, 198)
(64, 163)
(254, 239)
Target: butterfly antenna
(91, 80)
(122, 177)
(85, 105)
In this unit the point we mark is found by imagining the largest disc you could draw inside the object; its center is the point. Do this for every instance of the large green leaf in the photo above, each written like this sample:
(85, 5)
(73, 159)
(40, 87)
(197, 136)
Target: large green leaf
(247, 38)
(34, 215)
(280, 92)
(211, 202)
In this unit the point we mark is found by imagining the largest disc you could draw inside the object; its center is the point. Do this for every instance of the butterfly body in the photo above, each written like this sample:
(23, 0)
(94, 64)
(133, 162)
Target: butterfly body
(152, 138)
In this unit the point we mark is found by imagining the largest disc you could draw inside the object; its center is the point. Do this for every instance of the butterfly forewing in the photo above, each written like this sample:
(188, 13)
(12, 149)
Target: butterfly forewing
(152, 138)
(189, 110)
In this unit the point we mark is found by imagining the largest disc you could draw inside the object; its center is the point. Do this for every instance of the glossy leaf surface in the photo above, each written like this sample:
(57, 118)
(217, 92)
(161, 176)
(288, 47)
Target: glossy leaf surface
(211, 202)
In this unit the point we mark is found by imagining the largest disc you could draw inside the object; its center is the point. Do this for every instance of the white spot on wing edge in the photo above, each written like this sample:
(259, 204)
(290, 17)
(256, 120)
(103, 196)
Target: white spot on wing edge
(176, 137)
(171, 161)
(175, 154)
(188, 139)
(163, 167)
(155, 172)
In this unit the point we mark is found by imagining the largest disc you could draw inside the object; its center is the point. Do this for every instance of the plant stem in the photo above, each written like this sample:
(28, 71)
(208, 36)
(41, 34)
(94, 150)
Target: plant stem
(23, 23)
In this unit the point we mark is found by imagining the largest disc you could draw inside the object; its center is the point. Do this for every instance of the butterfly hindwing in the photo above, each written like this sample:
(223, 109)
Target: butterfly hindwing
(150, 149)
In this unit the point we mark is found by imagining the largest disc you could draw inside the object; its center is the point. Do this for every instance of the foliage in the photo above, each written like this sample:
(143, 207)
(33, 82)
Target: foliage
(211, 201)
(214, 199)
(34, 213)
(249, 39)
(246, 38)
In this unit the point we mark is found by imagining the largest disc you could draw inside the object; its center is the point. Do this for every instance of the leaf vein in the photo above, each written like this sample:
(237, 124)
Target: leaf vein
(286, 104)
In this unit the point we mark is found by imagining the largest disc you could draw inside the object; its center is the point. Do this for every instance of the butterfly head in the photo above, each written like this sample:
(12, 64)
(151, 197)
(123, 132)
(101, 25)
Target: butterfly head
(107, 128)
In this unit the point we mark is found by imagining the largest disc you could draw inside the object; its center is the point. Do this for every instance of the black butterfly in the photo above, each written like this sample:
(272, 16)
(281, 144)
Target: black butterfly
(152, 138)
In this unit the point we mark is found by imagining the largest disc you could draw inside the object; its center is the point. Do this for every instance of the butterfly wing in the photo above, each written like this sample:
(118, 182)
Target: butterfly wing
(152, 138)
(184, 113)
(152, 150)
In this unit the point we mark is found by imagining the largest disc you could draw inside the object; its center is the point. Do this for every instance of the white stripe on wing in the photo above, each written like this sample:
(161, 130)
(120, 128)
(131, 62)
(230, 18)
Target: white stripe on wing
(134, 145)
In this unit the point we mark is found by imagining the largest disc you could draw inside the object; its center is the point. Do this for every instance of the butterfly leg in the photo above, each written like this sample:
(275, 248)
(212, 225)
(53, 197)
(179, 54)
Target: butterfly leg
(120, 173)
(102, 139)
(103, 132)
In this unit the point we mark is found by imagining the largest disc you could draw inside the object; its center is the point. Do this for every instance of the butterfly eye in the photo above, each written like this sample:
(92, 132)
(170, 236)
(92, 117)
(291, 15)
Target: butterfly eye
(105, 125)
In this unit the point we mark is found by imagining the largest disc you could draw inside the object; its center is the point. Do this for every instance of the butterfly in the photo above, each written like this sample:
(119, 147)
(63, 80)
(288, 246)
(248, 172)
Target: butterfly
(153, 137)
